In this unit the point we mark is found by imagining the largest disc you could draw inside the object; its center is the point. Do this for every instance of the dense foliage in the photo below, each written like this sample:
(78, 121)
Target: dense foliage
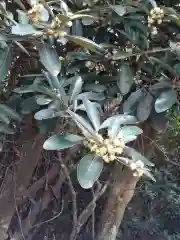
(92, 73)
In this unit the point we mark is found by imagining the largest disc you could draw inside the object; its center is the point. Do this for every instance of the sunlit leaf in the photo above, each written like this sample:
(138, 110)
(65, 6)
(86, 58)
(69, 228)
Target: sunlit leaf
(22, 17)
(144, 107)
(124, 119)
(93, 113)
(114, 128)
(165, 100)
(119, 9)
(125, 79)
(49, 59)
(89, 170)
(58, 142)
(149, 175)
(86, 43)
(45, 114)
(43, 100)
(23, 29)
(129, 133)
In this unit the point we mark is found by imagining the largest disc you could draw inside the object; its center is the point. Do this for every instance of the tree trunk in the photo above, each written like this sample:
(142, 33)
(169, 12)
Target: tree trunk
(121, 193)
(122, 189)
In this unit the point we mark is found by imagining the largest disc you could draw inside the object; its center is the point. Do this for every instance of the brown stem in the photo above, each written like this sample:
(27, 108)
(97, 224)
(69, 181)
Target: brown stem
(124, 184)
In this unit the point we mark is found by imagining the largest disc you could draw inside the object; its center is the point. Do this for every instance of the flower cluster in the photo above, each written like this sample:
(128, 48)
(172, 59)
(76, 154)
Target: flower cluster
(108, 148)
(38, 14)
(156, 17)
(137, 168)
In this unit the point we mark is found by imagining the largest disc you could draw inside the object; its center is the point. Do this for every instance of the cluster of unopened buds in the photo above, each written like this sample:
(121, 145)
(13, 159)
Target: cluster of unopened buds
(108, 148)
(155, 18)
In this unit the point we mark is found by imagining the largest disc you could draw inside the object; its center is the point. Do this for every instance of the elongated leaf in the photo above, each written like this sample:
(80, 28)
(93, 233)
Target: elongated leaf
(58, 142)
(86, 43)
(124, 119)
(92, 113)
(165, 100)
(131, 152)
(22, 17)
(49, 59)
(129, 133)
(45, 114)
(5, 62)
(5, 129)
(77, 29)
(131, 103)
(149, 175)
(4, 109)
(29, 105)
(144, 107)
(91, 96)
(94, 87)
(114, 128)
(89, 170)
(119, 9)
(23, 29)
(82, 123)
(43, 100)
(125, 79)
(24, 89)
(76, 87)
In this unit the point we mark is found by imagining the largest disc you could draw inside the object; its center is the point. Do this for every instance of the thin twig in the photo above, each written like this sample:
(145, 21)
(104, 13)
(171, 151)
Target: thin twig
(93, 218)
(74, 200)
(86, 213)
(51, 219)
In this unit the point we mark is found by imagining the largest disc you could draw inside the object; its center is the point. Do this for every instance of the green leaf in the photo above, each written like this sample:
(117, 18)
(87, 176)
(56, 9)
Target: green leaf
(131, 152)
(144, 107)
(93, 113)
(129, 133)
(45, 114)
(22, 17)
(77, 28)
(95, 87)
(124, 119)
(159, 121)
(4, 109)
(58, 142)
(131, 103)
(177, 68)
(89, 170)
(23, 29)
(82, 123)
(114, 128)
(165, 100)
(75, 87)
(24, 89)
(149, 175)
(125, 79)
(86, 43)
(5, 129)
(91, 96)
(49, 59)
(29, 105)
(43, 100)
(119, 9)
(5, 62)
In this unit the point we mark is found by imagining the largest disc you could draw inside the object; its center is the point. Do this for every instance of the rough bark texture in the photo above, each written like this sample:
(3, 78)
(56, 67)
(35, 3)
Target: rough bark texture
(122, 190)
